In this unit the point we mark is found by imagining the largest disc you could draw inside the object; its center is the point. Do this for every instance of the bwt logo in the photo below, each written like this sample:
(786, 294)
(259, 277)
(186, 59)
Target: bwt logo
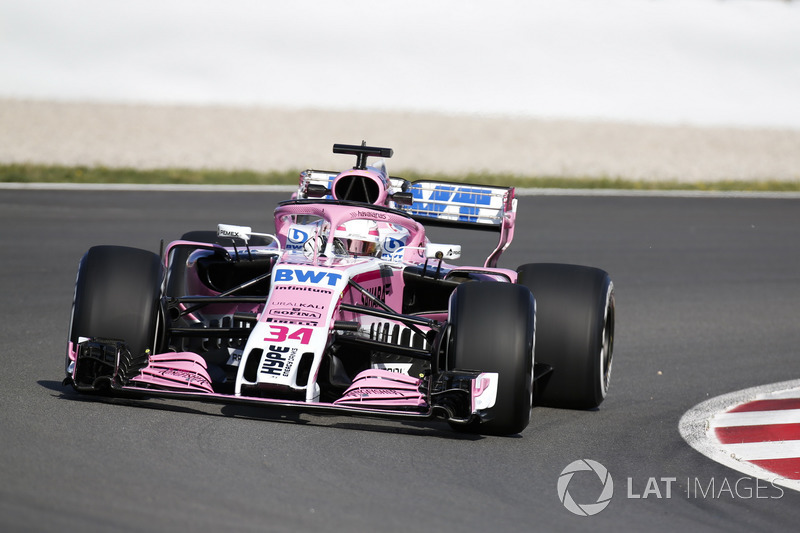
(600, 472)
(306, 276)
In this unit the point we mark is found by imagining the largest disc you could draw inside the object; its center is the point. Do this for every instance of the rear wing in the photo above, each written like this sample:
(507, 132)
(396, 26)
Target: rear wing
(459, 205)
(441, 203)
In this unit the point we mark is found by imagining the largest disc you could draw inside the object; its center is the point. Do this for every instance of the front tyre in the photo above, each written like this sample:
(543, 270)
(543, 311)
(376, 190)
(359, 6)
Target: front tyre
(117, 296)
(492, 329)
(575, 315)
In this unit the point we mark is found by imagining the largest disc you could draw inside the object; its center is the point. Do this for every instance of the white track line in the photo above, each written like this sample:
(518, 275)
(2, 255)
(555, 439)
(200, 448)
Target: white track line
(146, 187)
(292, 188)
(756, 418)
(759, 451)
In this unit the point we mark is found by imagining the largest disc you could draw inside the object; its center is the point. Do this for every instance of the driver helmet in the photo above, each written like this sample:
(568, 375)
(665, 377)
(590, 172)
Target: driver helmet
(358, 238)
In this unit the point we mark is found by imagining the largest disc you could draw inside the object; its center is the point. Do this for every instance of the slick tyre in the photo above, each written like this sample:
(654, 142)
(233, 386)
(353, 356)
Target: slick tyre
(118, 296)
(574, 332)
(492, 329)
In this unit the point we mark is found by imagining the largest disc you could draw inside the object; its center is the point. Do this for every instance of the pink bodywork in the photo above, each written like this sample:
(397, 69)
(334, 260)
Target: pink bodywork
(372, 388)
(180, 371)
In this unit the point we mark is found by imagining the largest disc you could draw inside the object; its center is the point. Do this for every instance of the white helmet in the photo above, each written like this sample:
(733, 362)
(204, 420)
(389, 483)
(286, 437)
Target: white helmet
(357, 237)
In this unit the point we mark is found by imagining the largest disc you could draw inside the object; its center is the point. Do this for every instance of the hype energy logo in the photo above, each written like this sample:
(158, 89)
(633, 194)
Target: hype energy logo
(583, 475)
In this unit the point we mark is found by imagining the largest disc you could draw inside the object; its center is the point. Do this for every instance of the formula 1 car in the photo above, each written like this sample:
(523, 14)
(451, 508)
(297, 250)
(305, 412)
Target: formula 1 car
(348, 308)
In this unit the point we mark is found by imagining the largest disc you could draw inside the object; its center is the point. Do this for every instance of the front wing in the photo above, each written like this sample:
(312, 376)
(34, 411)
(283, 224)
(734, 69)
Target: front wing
(457, 396)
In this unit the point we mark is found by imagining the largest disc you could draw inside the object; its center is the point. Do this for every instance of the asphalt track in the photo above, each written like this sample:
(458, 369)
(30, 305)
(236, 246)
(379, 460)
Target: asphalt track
(707, 303)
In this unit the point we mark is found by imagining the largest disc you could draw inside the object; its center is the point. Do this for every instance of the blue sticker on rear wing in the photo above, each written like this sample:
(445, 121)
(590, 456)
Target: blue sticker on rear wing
(456, 203)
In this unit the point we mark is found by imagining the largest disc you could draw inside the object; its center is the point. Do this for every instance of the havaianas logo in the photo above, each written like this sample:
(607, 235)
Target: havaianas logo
(585, 509)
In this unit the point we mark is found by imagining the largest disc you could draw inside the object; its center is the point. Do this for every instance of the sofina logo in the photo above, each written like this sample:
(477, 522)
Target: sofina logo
(585, 465)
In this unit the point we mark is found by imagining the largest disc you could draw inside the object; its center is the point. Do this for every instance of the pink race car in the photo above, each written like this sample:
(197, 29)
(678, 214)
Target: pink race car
(348, 308)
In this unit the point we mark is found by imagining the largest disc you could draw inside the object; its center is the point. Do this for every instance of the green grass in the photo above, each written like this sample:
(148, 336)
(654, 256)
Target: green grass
(27, 173)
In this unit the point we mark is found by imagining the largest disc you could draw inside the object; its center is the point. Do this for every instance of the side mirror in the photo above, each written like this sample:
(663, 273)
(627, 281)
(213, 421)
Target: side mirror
(234, 232)
(403, 198)
(242, 232)
(314, 190)
(442, 251)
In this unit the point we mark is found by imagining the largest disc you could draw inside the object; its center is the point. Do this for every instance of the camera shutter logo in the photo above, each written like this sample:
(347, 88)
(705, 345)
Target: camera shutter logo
(585, 509)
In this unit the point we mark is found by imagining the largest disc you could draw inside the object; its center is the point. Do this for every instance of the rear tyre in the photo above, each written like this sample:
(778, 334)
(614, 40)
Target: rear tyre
(492, 327)
(118, 296)
(574, 332)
